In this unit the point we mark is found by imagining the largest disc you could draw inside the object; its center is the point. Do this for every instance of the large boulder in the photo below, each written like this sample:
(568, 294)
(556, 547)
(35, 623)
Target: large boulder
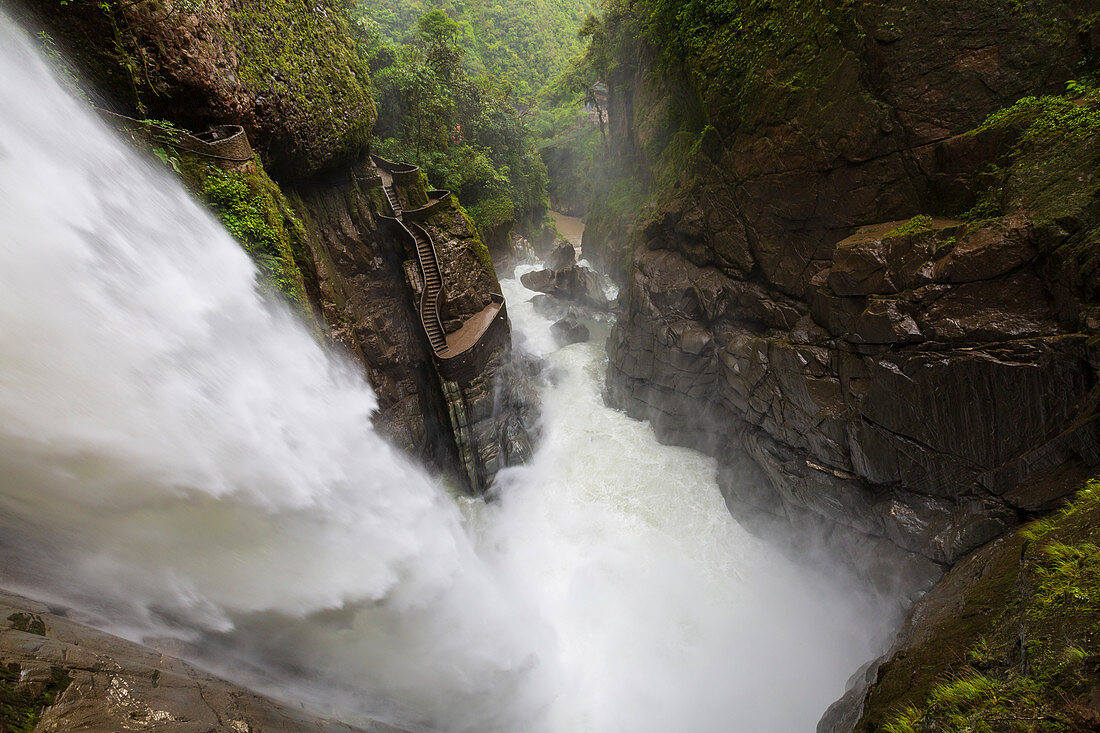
(289, 71)
(576, 284)
(569, 330)
(563, 255)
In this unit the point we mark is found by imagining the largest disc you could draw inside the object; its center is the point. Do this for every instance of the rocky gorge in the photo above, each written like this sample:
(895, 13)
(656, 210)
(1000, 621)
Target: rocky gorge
(863, 273)
(855, 251)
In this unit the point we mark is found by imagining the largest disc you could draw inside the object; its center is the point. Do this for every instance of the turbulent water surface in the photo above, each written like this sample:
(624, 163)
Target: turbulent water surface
(180, 460)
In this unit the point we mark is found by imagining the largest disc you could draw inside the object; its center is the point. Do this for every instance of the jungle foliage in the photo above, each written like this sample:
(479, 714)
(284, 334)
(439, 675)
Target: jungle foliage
(456, 85)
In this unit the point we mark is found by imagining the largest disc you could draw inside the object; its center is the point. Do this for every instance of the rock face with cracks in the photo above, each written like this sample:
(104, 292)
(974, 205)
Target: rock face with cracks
(853, 289)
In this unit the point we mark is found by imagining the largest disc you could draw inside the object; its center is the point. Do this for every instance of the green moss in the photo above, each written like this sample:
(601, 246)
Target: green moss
(916, 225)
(304, 52)
(1051, 174)
(753, 60)
(377, 198)
(479, 247)
(299, 61)
(490, 213)
(1056, 150)
(28, 622)
(20, 709)
(1020, 654)
(253, 209)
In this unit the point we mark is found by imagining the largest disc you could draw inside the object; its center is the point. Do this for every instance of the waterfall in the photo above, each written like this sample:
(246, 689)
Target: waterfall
(178, 454)
(181, 460)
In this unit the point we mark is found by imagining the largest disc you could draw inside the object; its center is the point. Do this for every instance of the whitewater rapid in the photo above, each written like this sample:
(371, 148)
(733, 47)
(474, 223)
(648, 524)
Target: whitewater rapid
(181, 461)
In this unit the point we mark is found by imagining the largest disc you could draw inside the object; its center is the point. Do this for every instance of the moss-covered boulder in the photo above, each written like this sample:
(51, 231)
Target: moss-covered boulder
(289, 71)
(1009, 641)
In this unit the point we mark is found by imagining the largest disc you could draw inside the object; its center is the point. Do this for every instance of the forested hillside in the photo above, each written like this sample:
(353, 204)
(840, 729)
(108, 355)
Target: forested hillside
(458, 84)
(522, 43)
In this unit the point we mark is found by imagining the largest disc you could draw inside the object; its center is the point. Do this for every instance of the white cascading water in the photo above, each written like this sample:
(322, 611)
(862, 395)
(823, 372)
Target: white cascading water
(180, 460)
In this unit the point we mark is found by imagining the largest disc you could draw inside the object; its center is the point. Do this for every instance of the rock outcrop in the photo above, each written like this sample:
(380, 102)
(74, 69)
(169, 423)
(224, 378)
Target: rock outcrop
(59, 675)
(564, 254)
(573, 283)
(904, 384)
(288, 71)
(1005, 640)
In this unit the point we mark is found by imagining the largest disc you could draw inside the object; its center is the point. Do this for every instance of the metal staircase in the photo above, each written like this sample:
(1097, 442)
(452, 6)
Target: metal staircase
(433, 277)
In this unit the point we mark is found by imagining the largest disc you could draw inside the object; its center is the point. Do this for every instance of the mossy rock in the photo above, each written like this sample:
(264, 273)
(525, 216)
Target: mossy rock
(289, 71)
(254, 210)
(21, 705)
(1020, 648)
(1050, 174)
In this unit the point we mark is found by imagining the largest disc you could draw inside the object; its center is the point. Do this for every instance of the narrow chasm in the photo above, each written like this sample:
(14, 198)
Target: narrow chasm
(545, 366)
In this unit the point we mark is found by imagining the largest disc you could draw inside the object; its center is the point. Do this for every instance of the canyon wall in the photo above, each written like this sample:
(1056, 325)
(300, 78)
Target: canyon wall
(860, 272)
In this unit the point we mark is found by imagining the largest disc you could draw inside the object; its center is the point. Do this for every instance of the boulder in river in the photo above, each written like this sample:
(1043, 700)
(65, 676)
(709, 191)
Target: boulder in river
(569, 330)
(575, 283)
(564, 255)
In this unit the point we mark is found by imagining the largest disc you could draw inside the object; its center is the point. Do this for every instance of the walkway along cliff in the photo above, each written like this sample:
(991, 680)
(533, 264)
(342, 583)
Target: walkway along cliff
(462, 355)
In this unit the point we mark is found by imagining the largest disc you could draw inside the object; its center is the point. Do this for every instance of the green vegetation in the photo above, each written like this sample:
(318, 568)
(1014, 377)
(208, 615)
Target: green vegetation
(916, 225)
(471, 90)
(1023, 651)
(298, 61)
(1057, 149)
(522, 44)
(21, 705)
(1051, 173)
(253, 209)
(305, 53)
(750, 61)
(479, 247)
(465, 131)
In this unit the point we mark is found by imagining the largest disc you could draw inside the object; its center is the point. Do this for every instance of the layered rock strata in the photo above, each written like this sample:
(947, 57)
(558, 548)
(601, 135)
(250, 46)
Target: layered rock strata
(907, 386)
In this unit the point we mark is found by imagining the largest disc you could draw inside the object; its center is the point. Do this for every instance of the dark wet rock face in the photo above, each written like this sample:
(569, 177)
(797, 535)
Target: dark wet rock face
(894, 385)
(906, 408)
(569, 330)
(368, 310)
